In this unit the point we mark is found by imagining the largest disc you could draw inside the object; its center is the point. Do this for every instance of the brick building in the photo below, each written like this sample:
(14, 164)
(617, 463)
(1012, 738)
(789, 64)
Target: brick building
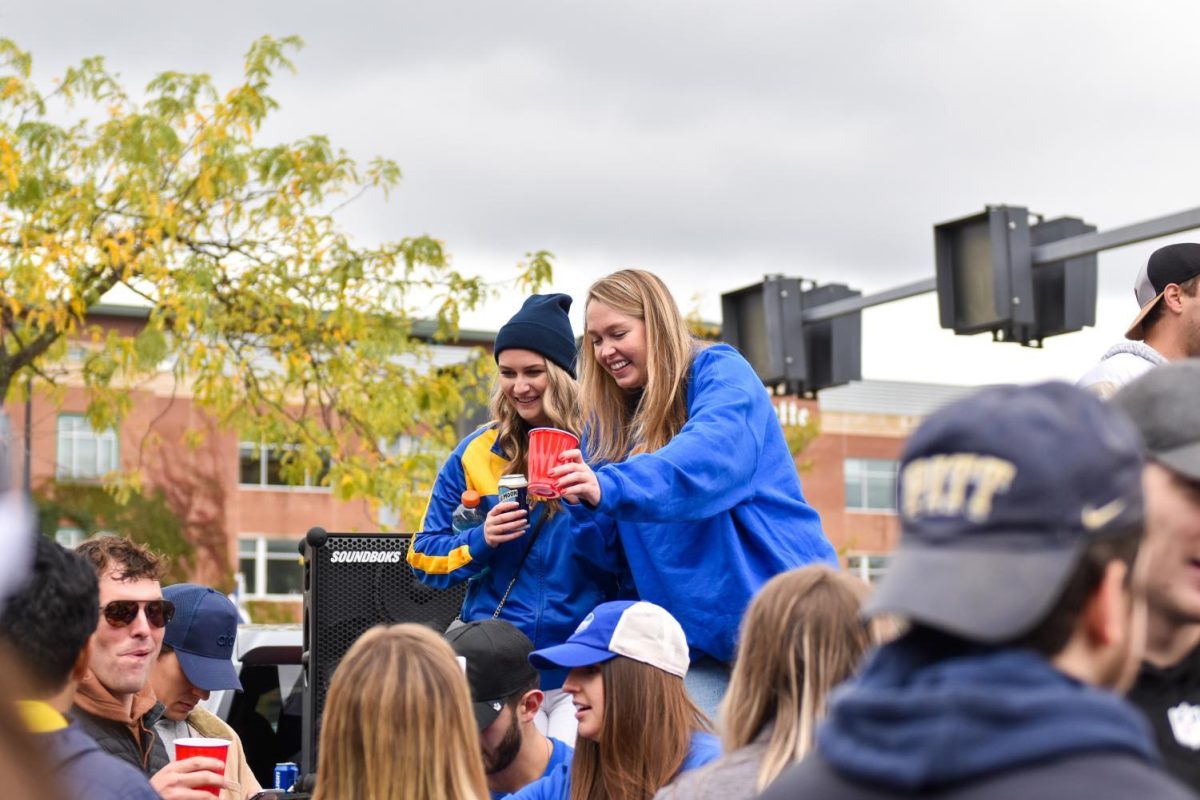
(231, 502)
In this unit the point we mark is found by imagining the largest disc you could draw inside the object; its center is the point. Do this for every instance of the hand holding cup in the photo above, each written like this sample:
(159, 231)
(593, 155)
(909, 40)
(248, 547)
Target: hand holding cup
(575, 480)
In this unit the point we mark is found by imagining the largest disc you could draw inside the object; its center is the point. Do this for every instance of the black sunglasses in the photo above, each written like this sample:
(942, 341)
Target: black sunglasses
(120, 613)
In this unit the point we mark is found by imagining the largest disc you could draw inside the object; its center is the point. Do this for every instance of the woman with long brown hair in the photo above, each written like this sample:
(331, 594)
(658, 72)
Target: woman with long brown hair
(638, 729)
(801, 637)
(522, 563)
(686, 463)
(398, 722)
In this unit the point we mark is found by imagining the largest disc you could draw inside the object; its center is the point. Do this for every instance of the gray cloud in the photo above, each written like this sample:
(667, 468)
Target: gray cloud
(710, 141)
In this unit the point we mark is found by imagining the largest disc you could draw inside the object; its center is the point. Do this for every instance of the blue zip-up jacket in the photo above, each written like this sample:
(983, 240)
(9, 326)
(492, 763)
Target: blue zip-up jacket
(559, 582)
(705, 748)
(932, 716)
(714, 514)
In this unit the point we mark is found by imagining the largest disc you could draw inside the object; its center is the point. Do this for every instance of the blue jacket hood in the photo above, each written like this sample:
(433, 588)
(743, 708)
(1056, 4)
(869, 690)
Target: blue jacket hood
(928, 711)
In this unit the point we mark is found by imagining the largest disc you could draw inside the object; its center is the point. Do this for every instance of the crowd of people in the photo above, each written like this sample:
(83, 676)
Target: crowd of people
(673, 625)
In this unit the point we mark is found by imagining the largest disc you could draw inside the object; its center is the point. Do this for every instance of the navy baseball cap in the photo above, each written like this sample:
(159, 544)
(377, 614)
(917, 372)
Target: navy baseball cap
(202, 634)
(634, 629)
(999, 495)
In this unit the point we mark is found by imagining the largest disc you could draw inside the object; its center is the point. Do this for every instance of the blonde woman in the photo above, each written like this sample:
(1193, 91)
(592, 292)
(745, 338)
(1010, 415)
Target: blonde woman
(398, 723)
(802, 636)
(522, 563)
(638, 729)
(687, 465)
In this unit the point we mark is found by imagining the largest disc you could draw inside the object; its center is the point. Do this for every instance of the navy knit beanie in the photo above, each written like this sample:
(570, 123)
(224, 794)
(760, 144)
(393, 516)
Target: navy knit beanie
(542, 326)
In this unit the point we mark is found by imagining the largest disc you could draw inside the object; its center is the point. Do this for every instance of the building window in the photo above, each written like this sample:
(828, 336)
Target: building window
(260, 465)
(83, 453)
(870, 484)
(270, 568)
(69, 537)
(866, 566)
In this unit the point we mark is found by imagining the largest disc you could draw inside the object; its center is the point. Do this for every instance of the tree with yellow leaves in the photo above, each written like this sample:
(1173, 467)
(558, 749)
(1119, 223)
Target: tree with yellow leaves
(277, 323)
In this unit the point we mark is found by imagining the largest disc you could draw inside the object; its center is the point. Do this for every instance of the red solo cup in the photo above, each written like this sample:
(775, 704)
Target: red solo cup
(545, 446)
(209, 748)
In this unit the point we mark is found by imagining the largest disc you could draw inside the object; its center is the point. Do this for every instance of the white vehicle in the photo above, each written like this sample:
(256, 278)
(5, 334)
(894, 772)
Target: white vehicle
(266, 713)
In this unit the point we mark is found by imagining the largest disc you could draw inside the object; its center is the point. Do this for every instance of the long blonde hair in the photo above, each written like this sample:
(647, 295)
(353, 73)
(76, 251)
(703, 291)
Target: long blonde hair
(398, 722)
(801, 636)
(635, 758)
(615, 429)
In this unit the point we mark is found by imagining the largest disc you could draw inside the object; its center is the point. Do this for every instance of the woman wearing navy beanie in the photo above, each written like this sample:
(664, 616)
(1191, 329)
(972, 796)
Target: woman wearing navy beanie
(521, 563)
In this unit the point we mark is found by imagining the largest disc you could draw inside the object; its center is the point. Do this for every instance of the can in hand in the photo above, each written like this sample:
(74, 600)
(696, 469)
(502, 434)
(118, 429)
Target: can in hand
(286, 775)
(513, 488)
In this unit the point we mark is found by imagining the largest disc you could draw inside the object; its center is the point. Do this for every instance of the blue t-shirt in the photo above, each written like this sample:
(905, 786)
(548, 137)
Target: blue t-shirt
(556, 784)
(560, 753)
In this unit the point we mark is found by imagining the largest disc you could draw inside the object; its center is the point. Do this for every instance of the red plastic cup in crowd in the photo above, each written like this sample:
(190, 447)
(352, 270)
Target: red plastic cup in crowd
(545, 446)
(209, 748)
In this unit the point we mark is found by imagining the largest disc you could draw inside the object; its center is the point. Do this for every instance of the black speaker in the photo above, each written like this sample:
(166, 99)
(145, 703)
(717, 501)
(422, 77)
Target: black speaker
(353, 582)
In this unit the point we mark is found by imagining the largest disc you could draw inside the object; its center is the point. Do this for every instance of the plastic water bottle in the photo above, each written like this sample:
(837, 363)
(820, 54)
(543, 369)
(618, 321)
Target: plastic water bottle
(467, 515)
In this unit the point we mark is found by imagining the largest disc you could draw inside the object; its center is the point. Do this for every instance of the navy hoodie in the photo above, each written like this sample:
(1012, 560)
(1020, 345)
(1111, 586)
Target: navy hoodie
(930, 714)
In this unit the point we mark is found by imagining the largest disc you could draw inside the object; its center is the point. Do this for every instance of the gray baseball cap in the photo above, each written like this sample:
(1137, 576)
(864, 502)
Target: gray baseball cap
(1165, 406)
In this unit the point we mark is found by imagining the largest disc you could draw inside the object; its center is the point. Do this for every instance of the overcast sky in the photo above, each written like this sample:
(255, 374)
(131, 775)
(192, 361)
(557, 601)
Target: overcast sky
(716, 142)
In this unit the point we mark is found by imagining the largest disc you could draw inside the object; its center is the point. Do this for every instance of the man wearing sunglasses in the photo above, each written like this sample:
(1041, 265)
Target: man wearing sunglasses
(115, 703)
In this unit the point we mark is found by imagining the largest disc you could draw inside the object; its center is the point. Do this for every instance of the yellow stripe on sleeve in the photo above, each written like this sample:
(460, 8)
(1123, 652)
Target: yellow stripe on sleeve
(440, 565)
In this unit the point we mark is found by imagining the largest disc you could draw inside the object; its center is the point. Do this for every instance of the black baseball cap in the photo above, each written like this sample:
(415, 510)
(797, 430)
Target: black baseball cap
(1174, 263)
(999, 495)
(1164, 404)
(497, 656)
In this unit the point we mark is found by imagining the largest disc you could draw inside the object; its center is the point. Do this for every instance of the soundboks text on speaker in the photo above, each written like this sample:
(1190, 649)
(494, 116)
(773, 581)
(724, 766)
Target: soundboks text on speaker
(365, 557)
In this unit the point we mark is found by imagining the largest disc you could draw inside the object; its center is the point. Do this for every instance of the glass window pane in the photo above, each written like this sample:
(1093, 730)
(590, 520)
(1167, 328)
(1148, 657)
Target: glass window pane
(249, 466)
(319, 478)
(274, 454)
(246, 567)
(881, 494)
(84, 465)
(288, 546)
(247, 547)
(284, 577)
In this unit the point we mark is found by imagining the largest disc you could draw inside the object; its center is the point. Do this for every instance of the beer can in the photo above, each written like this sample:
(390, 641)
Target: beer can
(513, 488)
(286, 775)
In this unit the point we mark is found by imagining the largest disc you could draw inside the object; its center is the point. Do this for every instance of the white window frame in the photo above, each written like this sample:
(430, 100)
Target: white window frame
(67, 437)
(859, 565)
(871, 468)
(262, 486)
(261, 557)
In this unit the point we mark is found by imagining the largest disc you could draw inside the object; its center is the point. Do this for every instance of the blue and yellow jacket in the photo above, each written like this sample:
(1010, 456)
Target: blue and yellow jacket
(558, 584)
(711, 516)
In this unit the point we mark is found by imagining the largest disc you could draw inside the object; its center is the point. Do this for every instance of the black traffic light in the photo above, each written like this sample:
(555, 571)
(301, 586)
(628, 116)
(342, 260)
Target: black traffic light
(987, 279)
(766, 323)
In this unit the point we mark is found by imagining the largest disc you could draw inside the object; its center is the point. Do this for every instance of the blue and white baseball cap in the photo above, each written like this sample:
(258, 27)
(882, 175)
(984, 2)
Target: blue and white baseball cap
(635, 629)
